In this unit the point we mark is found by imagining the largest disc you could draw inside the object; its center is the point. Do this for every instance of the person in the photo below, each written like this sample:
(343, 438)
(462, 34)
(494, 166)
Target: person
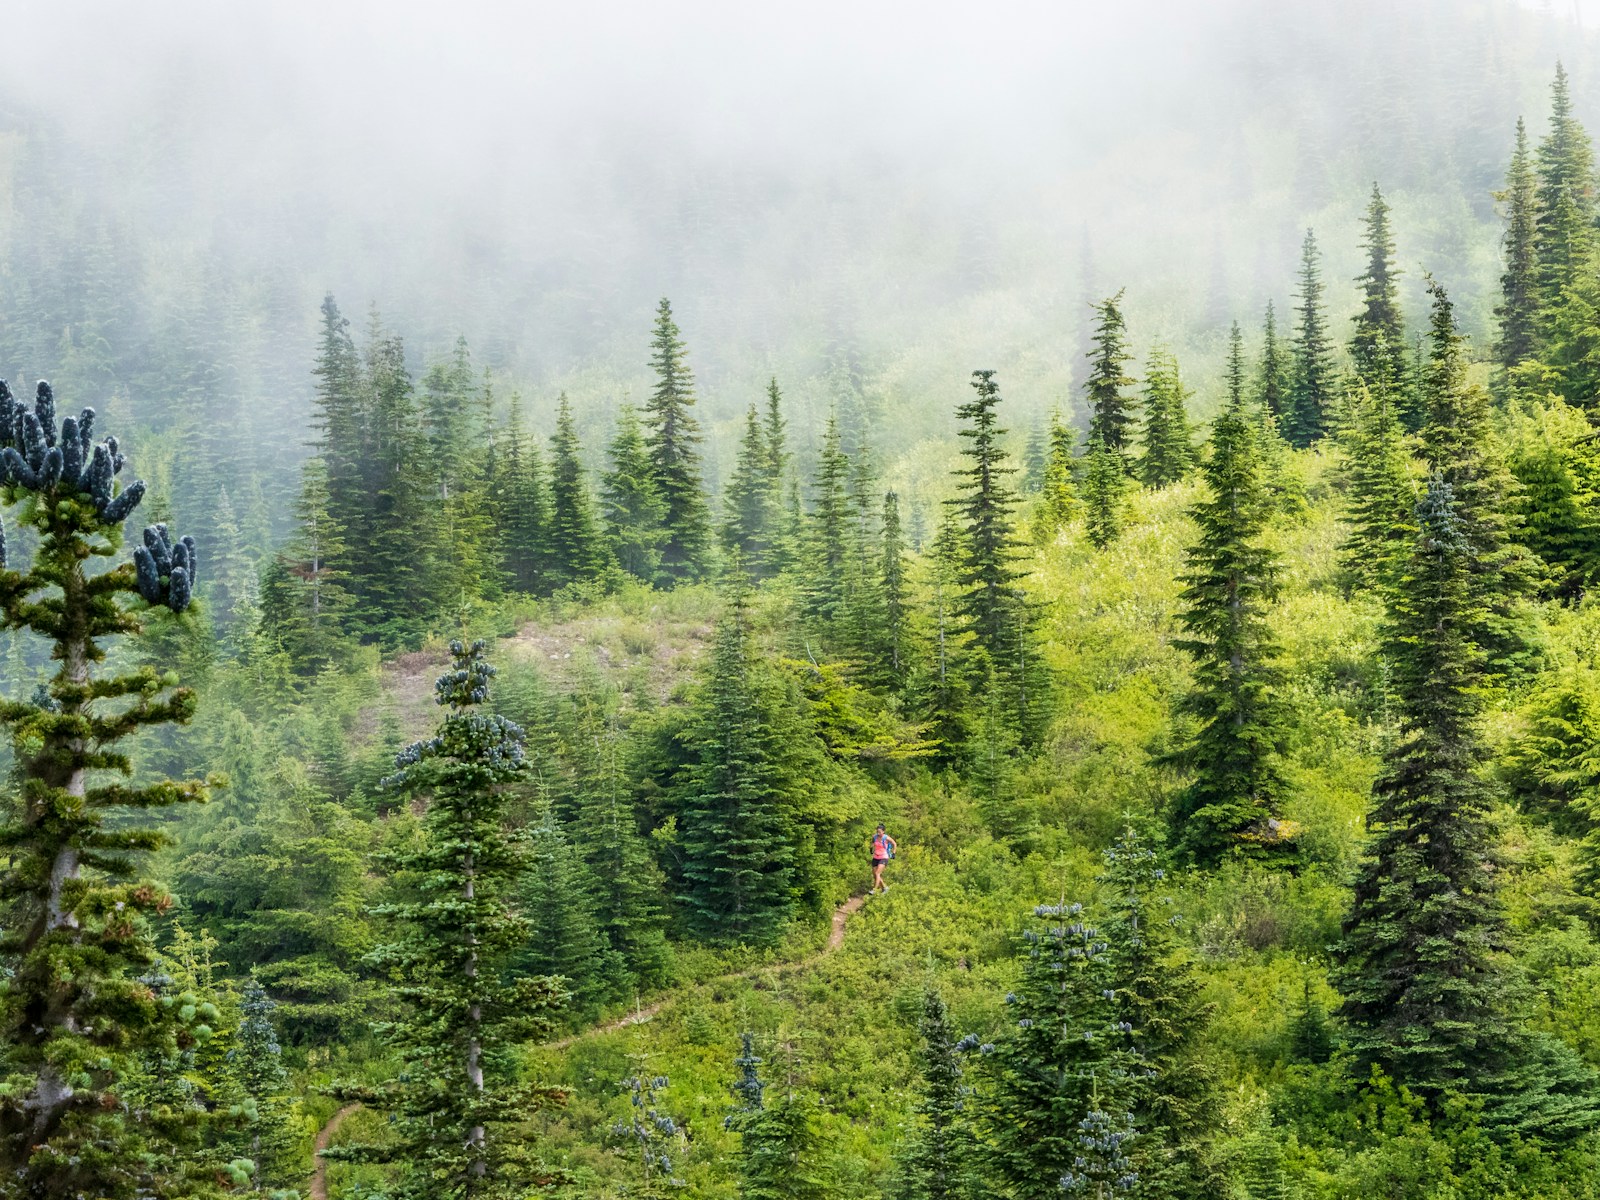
(883, 848)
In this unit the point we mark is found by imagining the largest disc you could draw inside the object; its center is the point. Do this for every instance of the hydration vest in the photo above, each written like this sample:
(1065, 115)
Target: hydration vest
(880, 846)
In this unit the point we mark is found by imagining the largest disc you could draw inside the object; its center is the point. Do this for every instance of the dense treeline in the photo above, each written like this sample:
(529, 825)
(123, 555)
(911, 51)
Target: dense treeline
(402, 927)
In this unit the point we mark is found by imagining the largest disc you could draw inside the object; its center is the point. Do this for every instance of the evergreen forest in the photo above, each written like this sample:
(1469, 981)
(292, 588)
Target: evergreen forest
(446, 735)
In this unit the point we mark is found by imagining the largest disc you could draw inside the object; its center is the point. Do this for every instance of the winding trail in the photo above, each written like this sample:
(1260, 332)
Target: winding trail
(841, 916)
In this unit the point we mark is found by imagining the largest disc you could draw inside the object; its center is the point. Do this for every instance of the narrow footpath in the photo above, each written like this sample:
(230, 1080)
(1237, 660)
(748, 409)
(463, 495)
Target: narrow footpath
(841, 917)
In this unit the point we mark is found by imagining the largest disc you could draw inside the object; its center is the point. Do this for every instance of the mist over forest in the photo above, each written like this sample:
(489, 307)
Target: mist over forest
(842, 602)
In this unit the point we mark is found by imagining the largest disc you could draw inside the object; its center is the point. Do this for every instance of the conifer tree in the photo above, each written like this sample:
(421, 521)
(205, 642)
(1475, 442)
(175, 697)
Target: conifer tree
(576, 551)
(1272, 385)
(892, 585)
(462, 1009)
(1058, 500)
(1311, 371)
(1420, 964)
(627, 884)
(1035, 457)
(1111, 416)
(558, 898)
(77, 1015)
(784, 536)
(779, 1142)
(1174, 1100)
(1064, 1056)
(1380, 496)
(1518, 310)
(1104, 485)
(828, 542)
(256, 1069)
(1457, 443)
(522, 503)
(339, 417)
(1168, 452)
(1564, 230)
(304, 603)
(1233, 799)
(750, 500)
(635, 513)
(991, 603)
(1378, 345)
(737, 822)
(672, 437)
(939, 1161)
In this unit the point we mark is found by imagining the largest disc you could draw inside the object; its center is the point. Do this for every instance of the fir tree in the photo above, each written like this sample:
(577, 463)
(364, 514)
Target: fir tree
(77, 1015)
(1458, 444)
(339, 417)
(1378, 345)
(655, 1136)
(991, 603)
(256, 1069)
(627, 884)
(1310, 372)
(576, 551)
(779, 1142)
(1058, 500)
(892, 585)
(1168, 452)
(784, 534)
(522, 503)
(557, 897)
(1518, 310)
(1232, 802)
(1420, 964)
(1104, 485)
(1111, 417)
(304, 603)
(750, 500)
(1272, 386)
(672, 438)
(462, 1010)
(635, 513)
(939, 1161)
(1564, 228)
(1380, 495)
(828, 542)
(736, 814)
(1035, 458)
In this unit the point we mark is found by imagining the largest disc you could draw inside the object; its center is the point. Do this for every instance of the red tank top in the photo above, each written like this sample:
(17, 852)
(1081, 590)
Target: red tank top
(880, 845)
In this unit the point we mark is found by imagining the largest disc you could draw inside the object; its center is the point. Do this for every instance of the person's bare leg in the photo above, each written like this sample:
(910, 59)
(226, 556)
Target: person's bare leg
(877, 876)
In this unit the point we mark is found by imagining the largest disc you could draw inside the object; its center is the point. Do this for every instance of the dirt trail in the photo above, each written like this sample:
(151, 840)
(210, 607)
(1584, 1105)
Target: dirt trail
(319, 1169)
(841, 915)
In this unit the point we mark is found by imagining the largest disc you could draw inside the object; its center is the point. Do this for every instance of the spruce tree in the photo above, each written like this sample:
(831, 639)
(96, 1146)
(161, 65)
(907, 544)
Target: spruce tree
(939, 1160)
(627, 883)
(1310, 392)
(672, 437)
(462, 1009)
(784, 534)
(77, 1014)
(1232, 802)
(557, 896)
(576, 551)
(779, 1142)
(893, 587)
(993, 608)
(1058, 501)
(1104, 485)
(1380, 496)
(339, 417)
(522, 503)
(1564, 228)
(635, 513)
(1420, 965)
(826, 586)
(750, 500)
(1168, 452)
(1272, 384)
(1518, 310)
(1458, 443)
(256, 1069)
(304, 602)
(1378, 346)
(737, 826)
(1111, 416)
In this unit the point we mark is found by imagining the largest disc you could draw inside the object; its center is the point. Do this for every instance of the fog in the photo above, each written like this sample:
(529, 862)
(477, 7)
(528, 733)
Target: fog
(868, 198)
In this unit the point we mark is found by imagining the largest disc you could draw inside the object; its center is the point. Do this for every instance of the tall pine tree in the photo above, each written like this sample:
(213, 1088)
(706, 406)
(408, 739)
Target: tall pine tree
(1111, 415)
(673, 437)
(577, 553)
(635, 513)
(1168, 451)
(1518, 310)
(1311, 369)
(1378, 347)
